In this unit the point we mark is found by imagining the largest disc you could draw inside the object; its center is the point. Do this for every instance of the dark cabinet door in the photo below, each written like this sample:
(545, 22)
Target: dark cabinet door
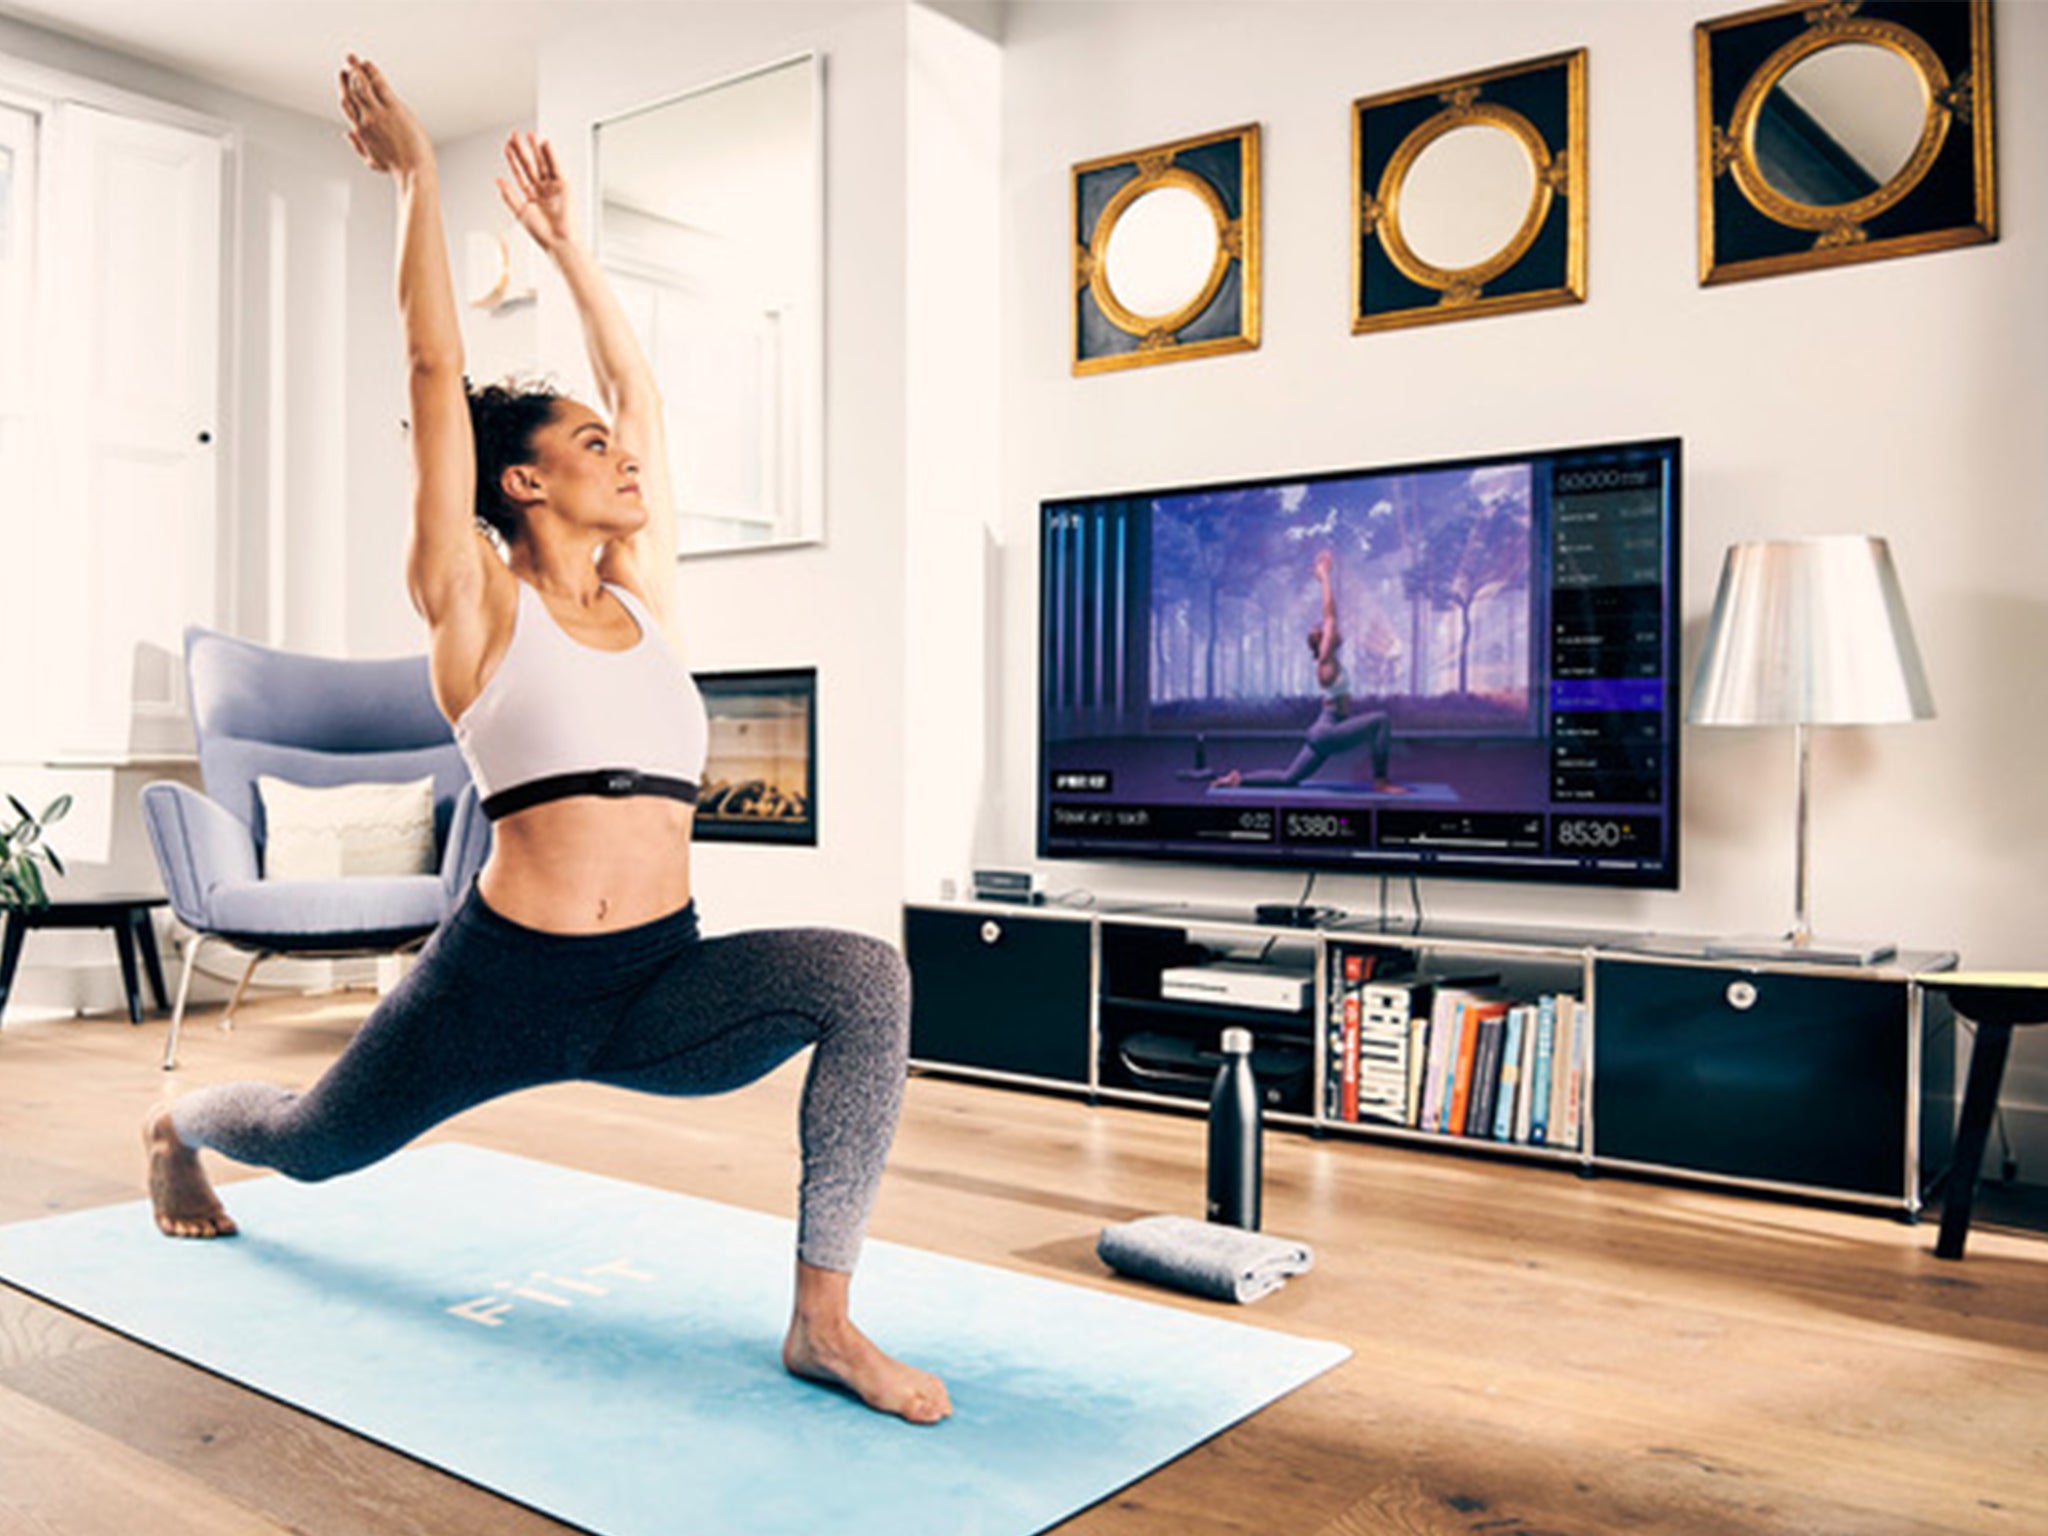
(1785, 1078)
(1001, 992)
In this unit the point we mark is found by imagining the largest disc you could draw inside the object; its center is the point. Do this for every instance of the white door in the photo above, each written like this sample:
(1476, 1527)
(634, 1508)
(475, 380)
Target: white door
(21, 731)
(135, 374)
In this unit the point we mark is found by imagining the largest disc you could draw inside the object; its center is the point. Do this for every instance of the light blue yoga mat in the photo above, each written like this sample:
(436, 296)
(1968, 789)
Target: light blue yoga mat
(609, 1354)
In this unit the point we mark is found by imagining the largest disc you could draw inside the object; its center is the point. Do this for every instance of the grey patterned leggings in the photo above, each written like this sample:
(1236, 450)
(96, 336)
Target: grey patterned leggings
(492, 1007)
(1331, 734)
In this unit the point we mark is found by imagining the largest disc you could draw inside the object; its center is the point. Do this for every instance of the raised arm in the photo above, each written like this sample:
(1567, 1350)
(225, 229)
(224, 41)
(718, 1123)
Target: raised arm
(538, 196)
(1328, 647)
(445, 569)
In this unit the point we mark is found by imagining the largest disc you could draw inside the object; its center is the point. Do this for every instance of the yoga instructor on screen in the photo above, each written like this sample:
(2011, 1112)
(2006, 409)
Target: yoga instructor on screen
(576, 955)
(1338, 727)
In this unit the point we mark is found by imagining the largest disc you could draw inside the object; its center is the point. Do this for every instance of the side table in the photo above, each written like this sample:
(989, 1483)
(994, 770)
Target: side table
(127, 916)
(1997, 1002)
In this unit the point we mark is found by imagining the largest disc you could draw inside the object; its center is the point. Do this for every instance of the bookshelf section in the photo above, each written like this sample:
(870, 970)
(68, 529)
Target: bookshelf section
(1445, 1047)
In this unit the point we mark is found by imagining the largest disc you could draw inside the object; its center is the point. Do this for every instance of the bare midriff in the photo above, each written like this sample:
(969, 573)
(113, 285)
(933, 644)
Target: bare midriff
(590, 864)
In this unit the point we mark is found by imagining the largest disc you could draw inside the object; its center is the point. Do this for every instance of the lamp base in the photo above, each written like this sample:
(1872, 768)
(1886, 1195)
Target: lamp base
(1797, 947)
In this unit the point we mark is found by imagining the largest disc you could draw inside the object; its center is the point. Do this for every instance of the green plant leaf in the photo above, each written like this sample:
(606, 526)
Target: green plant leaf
(21, 889)
(19, 809)
(55, 863)
(57, 809)
(38, 897)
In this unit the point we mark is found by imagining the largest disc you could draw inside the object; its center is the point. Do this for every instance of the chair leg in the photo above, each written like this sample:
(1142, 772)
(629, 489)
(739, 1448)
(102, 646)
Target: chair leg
(227, 1020)
(192, 949)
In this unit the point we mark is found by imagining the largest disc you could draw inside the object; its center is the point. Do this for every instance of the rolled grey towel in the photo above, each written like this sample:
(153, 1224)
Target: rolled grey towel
(1225, 1263)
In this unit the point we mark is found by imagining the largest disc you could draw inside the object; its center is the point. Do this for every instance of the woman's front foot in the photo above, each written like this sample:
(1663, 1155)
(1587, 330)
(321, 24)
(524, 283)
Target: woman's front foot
(823, 1345)
(839, 1354)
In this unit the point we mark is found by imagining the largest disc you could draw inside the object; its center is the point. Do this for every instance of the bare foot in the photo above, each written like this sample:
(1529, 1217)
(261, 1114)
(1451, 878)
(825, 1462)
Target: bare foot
(1229, 780)
(1388, 787)
(840, 1355)
(186, 1205)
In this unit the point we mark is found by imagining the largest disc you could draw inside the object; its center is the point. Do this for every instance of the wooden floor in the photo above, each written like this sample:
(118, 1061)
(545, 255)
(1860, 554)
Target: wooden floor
(1535, 1353)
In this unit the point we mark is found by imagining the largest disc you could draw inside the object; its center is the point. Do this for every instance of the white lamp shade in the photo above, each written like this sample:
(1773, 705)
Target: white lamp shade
(1810, 632)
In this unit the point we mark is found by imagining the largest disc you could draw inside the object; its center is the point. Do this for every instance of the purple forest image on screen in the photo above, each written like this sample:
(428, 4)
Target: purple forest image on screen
(1429, 577)
(1427, 633)
(1437, 665)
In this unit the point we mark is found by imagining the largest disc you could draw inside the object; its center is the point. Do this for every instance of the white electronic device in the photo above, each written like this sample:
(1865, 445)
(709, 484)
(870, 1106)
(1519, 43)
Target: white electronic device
(1239, 984)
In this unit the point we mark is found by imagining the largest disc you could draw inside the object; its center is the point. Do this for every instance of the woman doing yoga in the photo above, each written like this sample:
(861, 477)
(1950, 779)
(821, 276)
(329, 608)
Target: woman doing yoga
(1337, 727)
(576, 955)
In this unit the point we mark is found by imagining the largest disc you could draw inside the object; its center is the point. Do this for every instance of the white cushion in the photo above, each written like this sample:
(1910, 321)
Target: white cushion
(348, 829)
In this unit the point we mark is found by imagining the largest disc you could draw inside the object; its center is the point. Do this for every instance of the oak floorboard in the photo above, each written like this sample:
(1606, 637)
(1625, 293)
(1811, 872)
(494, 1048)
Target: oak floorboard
(1535, 1353)
(42, 1492)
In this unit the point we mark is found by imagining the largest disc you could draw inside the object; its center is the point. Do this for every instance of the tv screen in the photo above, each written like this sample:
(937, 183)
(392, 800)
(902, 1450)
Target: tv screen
(1465, 668)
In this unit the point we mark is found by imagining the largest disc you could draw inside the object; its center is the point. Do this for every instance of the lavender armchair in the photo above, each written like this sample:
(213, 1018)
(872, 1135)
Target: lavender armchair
(314, 721)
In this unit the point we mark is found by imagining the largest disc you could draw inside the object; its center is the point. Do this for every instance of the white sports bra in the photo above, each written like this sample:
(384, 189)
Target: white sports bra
(561, 718)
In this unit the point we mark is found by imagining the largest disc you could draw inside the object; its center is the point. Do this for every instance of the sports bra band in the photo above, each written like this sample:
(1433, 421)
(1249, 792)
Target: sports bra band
(612, 783)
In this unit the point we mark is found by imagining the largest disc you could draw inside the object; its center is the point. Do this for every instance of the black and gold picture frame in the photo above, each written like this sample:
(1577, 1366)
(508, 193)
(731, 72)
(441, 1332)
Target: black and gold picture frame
(1469, 195)
(1843, 132)
(1166, 252)
(761, 770)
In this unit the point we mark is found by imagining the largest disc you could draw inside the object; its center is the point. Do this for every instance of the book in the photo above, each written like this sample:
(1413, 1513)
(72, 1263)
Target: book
(1386, 1017)
(1486, 1063)
(1525, 1095)
(1341, 967)
(1354, 981)
(1560, 1070)
(1510, 1074)
(1460, 1097)
(1418, 1041)
(1575, 1081)
(1445, 1009)
(1539, 1082)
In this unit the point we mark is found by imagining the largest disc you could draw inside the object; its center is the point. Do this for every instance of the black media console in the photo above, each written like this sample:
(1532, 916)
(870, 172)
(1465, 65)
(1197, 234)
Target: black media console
(1816, 1081)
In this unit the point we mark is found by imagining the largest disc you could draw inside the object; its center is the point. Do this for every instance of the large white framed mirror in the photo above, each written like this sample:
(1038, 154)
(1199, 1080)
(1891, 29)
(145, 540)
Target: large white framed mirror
(710, 215)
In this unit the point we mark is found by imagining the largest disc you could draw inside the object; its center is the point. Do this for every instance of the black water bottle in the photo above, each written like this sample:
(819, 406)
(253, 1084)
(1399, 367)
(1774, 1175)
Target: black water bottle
(1234, 1143)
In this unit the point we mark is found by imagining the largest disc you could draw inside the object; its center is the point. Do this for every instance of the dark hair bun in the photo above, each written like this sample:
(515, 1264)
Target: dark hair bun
(504, 418)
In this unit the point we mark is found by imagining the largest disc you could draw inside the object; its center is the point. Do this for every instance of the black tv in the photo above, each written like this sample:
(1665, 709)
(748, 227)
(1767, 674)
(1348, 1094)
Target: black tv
(1489, 690)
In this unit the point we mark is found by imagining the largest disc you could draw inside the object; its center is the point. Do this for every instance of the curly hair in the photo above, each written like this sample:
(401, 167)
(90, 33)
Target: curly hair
(504, 418)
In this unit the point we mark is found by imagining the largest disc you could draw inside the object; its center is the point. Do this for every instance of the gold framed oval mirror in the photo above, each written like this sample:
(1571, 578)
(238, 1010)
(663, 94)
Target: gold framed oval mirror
(1464, 197)
(1166, 252)
(1842, 132)
(1160, 252)
(1470, 195)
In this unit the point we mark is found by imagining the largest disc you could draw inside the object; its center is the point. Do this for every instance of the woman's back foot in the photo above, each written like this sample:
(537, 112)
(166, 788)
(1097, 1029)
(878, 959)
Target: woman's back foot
(840, 1355)
(179, 1190)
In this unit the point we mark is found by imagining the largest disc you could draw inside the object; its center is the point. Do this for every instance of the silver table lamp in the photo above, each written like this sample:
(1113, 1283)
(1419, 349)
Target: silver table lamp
(1809, 632)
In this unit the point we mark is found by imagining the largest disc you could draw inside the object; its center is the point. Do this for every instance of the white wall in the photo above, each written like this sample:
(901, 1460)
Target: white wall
(1902, 397)
(952, 509)
(838, 606)
(503, 342)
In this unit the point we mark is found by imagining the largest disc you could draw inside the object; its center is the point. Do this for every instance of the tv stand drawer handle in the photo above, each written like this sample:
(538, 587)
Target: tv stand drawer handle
(1741, 995)
(991, 931)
